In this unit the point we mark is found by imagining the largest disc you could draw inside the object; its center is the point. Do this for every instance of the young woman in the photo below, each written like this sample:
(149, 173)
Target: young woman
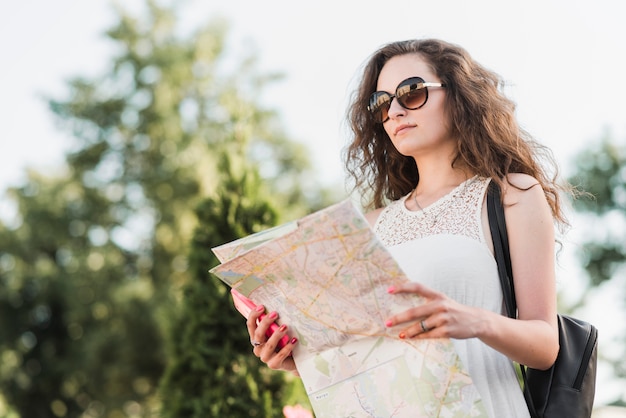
(431, 130)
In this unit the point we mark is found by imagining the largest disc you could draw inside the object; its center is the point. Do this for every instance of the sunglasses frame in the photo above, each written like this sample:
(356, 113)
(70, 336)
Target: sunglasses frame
(409, 81)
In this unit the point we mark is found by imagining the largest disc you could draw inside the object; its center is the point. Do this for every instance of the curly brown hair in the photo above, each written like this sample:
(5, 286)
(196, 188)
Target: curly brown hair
(490, 141)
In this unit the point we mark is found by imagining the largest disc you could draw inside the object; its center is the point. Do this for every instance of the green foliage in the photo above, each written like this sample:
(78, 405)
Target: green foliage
(73, 331)
(602, 173)
(213, 372)
(107, 262)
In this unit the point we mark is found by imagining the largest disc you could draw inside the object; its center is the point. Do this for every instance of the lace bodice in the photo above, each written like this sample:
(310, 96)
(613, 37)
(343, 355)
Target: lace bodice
(452, 214)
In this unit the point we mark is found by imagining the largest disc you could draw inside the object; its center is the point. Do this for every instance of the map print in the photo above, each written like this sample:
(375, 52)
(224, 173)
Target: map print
(327, 276)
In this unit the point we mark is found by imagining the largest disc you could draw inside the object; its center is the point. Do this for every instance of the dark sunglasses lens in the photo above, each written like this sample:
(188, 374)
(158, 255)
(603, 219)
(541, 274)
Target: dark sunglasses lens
(379, 105)
(412, 94)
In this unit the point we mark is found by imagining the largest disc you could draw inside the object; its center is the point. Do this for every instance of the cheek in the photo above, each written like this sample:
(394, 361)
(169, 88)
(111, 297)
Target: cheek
(444, 118)
(439, 122)
(440, 130)
(445, 125)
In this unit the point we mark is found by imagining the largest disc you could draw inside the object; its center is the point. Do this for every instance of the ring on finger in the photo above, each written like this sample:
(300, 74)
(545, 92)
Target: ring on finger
(424, 327)
(255, 343)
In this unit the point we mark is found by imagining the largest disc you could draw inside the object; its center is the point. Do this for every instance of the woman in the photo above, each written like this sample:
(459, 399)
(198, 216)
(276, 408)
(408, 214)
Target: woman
(431, 130)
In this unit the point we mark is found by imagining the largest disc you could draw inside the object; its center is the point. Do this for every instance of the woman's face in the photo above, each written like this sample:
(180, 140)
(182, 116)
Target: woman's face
(415, 132)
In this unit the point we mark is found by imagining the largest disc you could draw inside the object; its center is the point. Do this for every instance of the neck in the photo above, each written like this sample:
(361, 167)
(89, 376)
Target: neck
(438, 176)
(436, 170)
(437, 180)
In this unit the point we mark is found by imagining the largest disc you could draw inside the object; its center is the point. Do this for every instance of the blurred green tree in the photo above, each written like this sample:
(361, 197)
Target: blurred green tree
(212, 372)
(95, 272)
(601, 171)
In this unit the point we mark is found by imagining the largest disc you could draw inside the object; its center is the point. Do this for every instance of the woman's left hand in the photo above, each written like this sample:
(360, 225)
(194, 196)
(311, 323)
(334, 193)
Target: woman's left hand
(438, 317)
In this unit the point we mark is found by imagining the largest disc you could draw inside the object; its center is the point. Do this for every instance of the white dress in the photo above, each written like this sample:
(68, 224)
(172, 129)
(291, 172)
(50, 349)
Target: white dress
(444, 247)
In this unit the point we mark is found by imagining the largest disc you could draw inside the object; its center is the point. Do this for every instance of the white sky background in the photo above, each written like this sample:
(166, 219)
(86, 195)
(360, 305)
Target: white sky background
(564, 61)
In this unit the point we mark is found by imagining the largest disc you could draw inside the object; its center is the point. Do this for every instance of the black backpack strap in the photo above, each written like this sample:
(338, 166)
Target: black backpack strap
(500, 239)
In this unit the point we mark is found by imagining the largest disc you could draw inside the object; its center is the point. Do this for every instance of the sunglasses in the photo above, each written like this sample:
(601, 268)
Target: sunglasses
(411, 94)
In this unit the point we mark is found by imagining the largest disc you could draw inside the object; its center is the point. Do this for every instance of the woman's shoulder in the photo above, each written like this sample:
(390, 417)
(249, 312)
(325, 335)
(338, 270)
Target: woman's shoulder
(520, 180)
(373, 215)
(520, 187)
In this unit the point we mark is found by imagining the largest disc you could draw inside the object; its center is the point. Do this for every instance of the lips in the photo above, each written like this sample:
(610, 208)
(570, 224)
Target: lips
(399, 128)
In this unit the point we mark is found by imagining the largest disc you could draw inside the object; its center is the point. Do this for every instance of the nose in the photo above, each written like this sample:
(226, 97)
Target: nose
(395, 109)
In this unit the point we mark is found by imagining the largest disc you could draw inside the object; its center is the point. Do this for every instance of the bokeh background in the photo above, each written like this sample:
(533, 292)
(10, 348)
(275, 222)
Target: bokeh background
(138, 134)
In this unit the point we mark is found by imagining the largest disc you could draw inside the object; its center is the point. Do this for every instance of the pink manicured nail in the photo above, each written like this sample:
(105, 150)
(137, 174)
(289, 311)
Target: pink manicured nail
(273, 315)
(294, 340)
(388, 323)
(391, 289)
(259, 308)
(282, 328)
(402, 335)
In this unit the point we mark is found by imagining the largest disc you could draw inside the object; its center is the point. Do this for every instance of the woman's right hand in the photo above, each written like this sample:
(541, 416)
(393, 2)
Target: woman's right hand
(264, 347)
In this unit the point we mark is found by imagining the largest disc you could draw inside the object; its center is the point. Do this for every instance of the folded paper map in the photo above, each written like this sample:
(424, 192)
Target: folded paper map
(327, 276)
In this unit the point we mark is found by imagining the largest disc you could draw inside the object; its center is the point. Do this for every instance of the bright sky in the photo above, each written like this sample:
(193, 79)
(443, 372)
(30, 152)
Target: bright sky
(564, 61)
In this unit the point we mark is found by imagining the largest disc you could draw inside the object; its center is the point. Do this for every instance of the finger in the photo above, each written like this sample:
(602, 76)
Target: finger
(408, 315)
(251, 322)
(434, 326)
(265, 323)
(426, 328)
(279, 338)
(434, 302)
(280, 362)
(260, 329)
(281, 359)
(414, 287)
(415, 331)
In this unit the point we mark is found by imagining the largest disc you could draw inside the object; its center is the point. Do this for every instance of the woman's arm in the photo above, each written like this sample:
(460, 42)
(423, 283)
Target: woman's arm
(530, 227)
